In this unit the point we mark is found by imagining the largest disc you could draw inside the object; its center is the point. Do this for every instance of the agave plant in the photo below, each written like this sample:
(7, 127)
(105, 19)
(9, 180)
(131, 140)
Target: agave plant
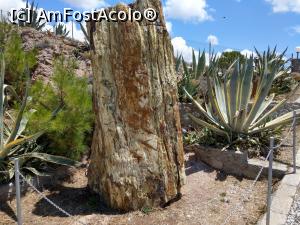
(270, 55)
(61, 30)
(230, 111)
(13, 142)
(192, 74)
(31, 14)
(86, 35)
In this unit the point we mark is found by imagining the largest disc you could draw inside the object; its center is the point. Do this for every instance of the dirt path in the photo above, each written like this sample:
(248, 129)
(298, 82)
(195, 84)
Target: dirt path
(207, 199)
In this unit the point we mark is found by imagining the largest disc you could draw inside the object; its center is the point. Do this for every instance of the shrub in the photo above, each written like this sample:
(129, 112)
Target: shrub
(5, 31)
(227, 58)
(283, 84)
(17, 60)
(15, 140)
(70, 96)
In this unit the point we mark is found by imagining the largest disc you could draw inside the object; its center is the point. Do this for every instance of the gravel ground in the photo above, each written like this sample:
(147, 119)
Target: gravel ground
(208, 198)
(294, 214)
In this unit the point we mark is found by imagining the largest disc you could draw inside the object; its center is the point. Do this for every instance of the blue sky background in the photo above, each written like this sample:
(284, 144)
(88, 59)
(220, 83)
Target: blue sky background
(233, 24)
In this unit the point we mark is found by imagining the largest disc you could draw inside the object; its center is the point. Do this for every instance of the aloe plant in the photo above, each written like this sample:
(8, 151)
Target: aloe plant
(13, 142)
(230, 111)
(191, 76)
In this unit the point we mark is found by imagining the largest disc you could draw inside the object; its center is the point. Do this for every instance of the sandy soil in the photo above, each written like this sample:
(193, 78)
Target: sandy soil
(208, 198)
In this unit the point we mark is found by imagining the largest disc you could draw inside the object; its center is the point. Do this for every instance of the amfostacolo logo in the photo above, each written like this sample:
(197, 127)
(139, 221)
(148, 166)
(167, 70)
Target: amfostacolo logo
(26, 15)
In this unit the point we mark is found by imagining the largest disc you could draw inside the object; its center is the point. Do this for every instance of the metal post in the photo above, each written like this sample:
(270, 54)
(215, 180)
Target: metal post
(294, 141)
(72, 30)
(18, 192)
(210, 56)
(270, 176)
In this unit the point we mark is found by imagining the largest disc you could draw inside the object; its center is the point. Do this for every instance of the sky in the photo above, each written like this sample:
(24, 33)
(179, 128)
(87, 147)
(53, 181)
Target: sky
(227, 24)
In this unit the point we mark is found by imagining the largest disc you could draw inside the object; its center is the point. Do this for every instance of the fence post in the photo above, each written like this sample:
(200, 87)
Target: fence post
(270, 176)
(18, 192)
(294, 141)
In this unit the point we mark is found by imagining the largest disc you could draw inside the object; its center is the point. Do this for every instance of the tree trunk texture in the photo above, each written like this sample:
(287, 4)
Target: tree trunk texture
(137, 157)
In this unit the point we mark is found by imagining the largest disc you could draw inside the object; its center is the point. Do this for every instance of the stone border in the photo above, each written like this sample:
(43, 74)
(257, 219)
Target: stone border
(236, 163)
(283, 198)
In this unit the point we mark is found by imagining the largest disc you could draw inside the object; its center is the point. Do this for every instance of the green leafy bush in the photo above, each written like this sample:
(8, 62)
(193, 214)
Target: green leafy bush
(283, 84)
(70, 96)
(15, 139)
(5, 30)
(204, 137)
(17, 60)
(227, 58)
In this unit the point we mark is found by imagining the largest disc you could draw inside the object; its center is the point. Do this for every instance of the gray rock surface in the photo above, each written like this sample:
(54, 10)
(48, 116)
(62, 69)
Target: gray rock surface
(49, 47)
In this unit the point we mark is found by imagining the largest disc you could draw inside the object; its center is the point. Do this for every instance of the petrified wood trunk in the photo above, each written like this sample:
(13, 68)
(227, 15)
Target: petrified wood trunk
(137, 155)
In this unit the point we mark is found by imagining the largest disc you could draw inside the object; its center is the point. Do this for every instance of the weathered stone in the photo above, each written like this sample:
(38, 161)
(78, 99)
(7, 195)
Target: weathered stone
(236, 163)
(49, 47)
(291, 179)
(137, 152)
(282, 205)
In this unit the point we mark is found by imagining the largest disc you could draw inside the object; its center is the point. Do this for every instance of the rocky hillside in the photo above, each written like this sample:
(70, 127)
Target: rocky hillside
(49, 47)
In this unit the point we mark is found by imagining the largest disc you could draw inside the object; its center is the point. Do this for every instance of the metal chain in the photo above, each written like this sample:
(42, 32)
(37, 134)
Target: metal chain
(48, 200)
(247, 192)
(286, 137)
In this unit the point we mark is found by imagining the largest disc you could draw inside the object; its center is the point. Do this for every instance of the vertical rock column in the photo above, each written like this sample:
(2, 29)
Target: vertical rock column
(137, 155)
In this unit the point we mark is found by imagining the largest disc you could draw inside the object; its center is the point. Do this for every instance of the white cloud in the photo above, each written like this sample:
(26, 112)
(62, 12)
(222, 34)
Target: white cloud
(248, 53)
(228, 50)
(213, 40)
(187, 10)
(169, 26)
(78, 34)
(6, 6)
(86, 4)
(285, 5)
(180, 47)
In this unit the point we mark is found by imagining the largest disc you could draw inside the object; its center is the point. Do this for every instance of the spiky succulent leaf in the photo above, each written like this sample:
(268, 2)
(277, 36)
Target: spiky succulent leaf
(51, 159)
(230, 109)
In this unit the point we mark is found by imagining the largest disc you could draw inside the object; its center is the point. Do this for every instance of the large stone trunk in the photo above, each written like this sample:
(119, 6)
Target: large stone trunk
(137, 155)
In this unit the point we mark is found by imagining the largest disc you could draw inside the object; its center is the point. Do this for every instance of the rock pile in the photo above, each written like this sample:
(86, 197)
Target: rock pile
(49, 47)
